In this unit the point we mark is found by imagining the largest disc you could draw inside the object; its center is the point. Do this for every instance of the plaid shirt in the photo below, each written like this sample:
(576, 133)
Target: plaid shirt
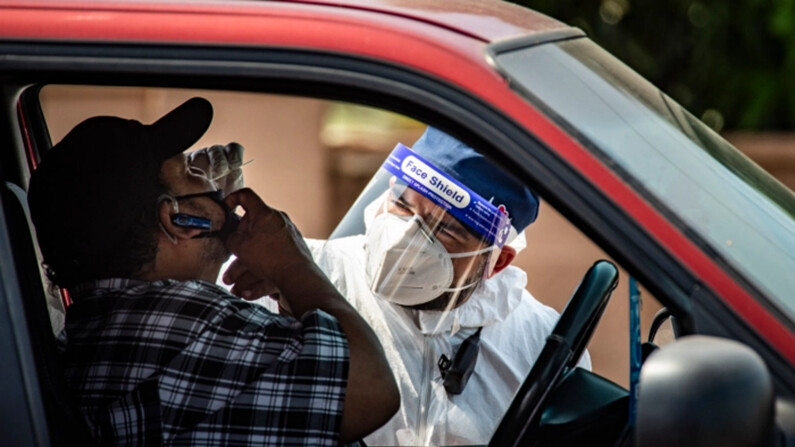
(186, 363)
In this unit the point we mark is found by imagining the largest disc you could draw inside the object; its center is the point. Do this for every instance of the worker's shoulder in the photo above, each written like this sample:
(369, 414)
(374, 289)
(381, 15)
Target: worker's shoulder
(531, 311)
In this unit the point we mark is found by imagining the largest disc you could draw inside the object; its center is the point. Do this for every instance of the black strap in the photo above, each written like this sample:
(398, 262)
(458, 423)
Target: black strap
(456, 372)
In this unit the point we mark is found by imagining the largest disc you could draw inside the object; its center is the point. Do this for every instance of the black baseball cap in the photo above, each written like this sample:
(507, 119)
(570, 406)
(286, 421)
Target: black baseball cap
(94, 184)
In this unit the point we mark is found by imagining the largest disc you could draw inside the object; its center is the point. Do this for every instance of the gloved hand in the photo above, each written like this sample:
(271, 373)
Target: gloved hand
(222, 164)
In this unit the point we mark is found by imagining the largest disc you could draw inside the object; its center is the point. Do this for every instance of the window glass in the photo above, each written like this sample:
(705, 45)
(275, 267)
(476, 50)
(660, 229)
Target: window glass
(744, 215)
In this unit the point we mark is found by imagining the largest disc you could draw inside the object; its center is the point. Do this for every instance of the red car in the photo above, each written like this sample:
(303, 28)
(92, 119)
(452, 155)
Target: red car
(705, 231)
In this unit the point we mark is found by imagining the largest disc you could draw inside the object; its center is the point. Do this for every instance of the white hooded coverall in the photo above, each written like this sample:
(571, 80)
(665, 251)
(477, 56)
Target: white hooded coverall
(515, 326)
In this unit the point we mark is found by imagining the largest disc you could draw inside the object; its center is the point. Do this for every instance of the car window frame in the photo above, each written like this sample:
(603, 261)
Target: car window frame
(399, 89)
(620, 81)
(23, 407)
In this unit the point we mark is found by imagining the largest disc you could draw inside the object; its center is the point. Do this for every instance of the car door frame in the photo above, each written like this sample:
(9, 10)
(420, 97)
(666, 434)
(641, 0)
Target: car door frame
(368, 81)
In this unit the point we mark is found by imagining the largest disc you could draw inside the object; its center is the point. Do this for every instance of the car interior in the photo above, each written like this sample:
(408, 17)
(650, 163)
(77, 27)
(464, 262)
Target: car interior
(311, 156)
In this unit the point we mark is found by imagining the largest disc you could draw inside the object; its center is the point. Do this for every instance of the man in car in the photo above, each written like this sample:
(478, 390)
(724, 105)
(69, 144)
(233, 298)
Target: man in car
(432, 275)
(154, 352)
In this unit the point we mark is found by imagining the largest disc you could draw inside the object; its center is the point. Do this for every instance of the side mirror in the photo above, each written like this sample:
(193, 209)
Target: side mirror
(705, 391)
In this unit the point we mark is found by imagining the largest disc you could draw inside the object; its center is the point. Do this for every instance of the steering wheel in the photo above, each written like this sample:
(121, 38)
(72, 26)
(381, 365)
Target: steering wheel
(562, 351)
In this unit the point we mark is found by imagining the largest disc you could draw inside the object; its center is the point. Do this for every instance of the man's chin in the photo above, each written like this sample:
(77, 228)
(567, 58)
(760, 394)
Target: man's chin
(225, 256)
(215, 252)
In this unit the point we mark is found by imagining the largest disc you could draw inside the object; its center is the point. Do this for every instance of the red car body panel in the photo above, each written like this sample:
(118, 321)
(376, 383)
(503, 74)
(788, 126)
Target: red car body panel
(448, 41)
(487, 20)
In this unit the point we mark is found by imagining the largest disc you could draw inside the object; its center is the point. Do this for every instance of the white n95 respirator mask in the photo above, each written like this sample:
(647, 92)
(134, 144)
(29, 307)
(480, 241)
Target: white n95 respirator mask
(406, 263)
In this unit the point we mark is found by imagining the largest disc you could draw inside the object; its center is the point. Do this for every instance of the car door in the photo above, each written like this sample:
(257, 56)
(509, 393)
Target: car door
(546, 155)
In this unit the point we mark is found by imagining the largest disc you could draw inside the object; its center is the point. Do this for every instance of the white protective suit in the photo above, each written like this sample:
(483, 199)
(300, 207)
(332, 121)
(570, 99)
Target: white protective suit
(515, 326)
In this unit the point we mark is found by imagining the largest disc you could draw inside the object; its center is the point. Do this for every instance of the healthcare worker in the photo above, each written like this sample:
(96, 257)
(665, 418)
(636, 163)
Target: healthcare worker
(431, 272)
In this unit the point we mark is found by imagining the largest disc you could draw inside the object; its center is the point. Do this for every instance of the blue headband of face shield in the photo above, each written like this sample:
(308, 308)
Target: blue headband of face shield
(451, 195)
(231, 220)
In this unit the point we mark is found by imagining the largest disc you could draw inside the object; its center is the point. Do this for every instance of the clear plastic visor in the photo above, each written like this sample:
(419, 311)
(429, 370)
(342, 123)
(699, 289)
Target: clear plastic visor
(418, 241)
(407, 185)
(411, 267)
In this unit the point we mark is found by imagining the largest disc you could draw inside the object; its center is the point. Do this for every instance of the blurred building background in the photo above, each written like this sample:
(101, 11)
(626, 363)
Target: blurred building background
(730, 63)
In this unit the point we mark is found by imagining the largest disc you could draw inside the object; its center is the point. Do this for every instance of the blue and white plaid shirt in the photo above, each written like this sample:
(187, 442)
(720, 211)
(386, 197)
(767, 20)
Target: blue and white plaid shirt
(186, 363)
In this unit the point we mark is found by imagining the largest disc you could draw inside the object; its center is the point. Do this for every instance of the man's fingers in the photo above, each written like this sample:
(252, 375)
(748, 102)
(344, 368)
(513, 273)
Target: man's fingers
(233, 272)
(246, 199)
(265, 240)
(245, 284)
(251, 288)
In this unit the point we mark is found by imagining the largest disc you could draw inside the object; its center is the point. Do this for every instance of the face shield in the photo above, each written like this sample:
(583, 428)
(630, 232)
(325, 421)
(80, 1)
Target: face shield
(429, 239)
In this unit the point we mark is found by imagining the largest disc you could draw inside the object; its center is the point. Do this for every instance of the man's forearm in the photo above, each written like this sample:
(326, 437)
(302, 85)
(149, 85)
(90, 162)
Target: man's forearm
(373, 396)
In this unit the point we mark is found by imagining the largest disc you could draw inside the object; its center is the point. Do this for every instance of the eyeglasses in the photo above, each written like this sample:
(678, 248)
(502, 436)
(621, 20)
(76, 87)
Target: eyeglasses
(216, 196)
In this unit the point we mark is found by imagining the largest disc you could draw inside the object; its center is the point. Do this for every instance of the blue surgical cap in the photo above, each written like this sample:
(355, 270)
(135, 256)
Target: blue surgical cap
(479, 174)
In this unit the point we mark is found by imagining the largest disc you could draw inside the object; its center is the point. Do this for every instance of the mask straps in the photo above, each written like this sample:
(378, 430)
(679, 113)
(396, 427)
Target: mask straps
(462, 255)
(175, 206)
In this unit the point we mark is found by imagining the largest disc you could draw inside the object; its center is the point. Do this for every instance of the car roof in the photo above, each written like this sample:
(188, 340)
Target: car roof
(449, 40)
(485, 20)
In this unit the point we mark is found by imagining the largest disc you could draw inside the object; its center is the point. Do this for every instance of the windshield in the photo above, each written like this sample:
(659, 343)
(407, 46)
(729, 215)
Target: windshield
(737, 209)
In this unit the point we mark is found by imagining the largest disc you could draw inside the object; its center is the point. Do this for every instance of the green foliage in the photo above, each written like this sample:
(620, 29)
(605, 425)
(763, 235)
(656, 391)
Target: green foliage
(732, 60)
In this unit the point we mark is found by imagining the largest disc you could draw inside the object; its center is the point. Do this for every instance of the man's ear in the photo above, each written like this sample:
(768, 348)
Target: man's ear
(165, 209)
(504, 259)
